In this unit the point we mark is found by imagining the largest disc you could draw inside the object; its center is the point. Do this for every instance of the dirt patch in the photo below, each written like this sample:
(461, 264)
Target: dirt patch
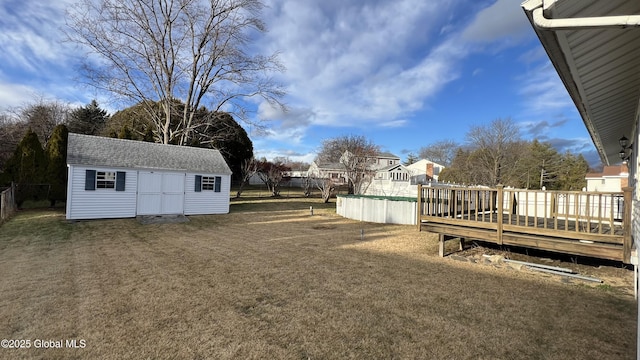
(161, 219)
(615, 276)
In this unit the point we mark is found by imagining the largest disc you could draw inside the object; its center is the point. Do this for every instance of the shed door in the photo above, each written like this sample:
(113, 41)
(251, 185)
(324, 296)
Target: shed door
(172, 193)
(160, 193)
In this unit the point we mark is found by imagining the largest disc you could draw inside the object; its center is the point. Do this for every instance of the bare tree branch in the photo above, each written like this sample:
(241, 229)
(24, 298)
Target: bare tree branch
(162, 50)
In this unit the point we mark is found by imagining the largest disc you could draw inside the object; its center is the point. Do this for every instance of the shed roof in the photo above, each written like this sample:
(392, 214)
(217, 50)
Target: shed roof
(109, 152)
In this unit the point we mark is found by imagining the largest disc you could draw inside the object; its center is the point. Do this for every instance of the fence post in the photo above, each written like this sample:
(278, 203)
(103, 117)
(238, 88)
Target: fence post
(419, 208)
(626, 224)
(499, 209)
(7, 202)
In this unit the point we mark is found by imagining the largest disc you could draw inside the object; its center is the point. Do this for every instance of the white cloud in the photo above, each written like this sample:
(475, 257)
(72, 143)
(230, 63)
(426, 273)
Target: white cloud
(543, 92)
(14, 95)
(361, 63)
(503, 19)
(31, 36)
(270, 154)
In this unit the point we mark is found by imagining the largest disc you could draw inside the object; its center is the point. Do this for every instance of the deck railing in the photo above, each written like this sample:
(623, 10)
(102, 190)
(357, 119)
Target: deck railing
(603, 217)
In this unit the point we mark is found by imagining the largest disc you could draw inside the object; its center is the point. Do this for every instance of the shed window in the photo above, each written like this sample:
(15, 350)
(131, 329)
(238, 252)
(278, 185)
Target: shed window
(105, 180)
(208, 182)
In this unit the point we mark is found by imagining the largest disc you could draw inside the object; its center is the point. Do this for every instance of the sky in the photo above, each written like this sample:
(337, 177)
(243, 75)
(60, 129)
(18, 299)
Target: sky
(403, 73)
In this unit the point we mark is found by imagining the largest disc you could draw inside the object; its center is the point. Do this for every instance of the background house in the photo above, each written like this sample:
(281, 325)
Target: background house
(424, 171)
(391, 180)
(612, 179)
(333, 171)
(117, 178)
(337, 172)
(400, 180)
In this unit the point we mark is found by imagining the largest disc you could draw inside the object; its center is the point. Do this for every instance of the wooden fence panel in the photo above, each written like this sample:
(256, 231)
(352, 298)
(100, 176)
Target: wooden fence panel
(7, 203)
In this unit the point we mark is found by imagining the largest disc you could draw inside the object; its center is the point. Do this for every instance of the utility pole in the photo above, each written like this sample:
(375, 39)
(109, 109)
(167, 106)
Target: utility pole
(542, 174)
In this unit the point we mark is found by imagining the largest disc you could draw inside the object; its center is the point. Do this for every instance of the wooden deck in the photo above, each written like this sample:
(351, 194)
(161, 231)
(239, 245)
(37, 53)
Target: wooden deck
(581, 223)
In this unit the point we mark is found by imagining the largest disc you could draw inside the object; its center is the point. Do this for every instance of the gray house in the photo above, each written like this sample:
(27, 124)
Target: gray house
(116, 178)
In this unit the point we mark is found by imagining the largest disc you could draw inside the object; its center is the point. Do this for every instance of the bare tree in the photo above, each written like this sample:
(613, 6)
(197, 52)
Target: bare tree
(272, 175)
(495, 148)
(191, 50)
(441, 152)
(356, 153)
(326, 186)
(43, 116)
(247, 170)
(306, 185)
(11, 131)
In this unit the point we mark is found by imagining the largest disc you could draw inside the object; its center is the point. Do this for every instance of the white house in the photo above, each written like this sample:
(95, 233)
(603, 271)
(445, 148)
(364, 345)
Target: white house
(385, 159)
(380, 164)
(392, 180)
(116, 178)
(612, 179)
(333, 171)
(424, 171)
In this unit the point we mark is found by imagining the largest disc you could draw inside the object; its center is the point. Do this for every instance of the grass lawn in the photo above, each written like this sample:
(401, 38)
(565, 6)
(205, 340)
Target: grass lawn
(269, 281)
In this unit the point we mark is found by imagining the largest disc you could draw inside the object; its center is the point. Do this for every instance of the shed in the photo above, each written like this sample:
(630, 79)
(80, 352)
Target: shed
(117, 178)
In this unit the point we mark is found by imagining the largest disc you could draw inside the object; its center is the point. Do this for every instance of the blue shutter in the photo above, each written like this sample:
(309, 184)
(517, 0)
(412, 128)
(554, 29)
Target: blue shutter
(218, 183)
(198, 186)
(120, 179)
(90, 180)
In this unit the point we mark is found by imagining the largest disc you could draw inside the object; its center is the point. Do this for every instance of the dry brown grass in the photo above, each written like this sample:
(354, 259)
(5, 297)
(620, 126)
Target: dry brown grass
(278, 283)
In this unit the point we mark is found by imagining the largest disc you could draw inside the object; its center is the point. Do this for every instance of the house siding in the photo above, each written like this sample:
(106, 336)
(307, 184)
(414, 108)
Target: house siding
(100, 203)
(207, 201)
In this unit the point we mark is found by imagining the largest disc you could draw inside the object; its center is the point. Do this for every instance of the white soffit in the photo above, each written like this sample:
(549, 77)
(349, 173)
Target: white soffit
(599, 67)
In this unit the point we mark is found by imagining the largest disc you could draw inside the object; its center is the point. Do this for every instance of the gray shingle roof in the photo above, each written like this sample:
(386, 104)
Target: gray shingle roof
(108, 152)
(385, 154)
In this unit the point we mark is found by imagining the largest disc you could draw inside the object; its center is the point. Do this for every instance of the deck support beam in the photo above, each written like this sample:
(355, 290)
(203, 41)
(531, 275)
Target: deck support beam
(499, 208)
(626, 223)
(419, 208)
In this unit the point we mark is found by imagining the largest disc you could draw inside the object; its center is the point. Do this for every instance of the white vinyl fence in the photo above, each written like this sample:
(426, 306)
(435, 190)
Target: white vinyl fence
(378, 209)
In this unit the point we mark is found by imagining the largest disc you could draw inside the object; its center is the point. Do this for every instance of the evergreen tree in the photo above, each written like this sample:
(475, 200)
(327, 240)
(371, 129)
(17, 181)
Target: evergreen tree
(539, 166)
(27, 167)
(411, 159)
(56, 174)
(89, 119)
(125, 133)
(572, 172)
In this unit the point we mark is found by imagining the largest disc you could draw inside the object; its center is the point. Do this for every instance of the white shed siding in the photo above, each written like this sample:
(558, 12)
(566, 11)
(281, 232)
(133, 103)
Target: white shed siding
(100, 203)
(206, 201)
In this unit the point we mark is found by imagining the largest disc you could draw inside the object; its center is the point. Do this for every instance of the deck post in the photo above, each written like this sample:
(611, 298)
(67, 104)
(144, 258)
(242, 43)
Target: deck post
(441, 238)
(626, 224)
(419, 208)
(499, 209)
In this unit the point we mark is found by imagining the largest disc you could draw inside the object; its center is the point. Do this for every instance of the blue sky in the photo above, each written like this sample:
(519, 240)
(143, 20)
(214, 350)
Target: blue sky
(403, 73)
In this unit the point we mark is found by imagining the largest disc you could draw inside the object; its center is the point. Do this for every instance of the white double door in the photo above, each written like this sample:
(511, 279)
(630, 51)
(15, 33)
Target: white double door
(160, 193)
